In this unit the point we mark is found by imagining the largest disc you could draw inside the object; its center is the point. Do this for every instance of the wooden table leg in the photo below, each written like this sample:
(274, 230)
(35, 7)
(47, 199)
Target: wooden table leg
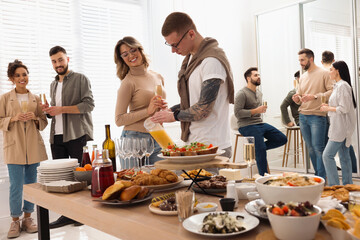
(43, 223)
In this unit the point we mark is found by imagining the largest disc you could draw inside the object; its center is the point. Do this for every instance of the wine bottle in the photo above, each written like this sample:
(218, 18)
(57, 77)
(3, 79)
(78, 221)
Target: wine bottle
(85, 157)
(110, 145)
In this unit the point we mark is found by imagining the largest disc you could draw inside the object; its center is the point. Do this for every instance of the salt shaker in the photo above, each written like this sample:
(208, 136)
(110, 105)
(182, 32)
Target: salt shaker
(231, 193)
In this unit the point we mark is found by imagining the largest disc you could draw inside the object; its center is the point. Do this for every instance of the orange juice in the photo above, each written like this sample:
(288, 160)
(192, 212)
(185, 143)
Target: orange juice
(162, 138)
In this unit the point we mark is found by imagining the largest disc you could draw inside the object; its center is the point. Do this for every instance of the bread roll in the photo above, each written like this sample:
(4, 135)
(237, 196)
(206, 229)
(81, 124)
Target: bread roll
(125, 183)
(113, 191)
(129, 193)
(142, 193)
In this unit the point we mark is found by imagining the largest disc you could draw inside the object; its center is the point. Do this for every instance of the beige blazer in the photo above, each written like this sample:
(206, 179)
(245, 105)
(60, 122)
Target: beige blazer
(22, 146)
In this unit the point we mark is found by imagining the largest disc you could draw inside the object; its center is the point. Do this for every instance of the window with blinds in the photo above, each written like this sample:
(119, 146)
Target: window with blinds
(88, 30)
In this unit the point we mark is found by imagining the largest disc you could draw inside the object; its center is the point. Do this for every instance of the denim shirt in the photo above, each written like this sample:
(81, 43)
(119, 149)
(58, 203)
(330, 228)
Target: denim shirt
(342, 122)
(76, 90)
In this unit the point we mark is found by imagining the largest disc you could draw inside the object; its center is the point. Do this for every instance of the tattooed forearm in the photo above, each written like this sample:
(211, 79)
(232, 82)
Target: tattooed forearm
(209, 91)
(175, 107)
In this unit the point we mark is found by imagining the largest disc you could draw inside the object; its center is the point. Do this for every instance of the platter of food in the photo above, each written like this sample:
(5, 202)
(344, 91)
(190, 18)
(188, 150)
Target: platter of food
(118, 202)
(203, 175)
(216, 184)
(157, 210)
(207, 224)
(192, 159)
(167, 185)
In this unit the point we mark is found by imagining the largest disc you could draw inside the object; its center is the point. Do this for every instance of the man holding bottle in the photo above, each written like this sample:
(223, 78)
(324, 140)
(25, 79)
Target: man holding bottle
(71, 105)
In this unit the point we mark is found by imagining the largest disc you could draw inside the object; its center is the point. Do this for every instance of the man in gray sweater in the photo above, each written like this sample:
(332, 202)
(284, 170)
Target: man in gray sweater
(248, 108)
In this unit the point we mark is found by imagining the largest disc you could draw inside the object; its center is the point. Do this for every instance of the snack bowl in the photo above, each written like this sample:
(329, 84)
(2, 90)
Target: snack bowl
(243, 188)
(206, 207)
(83, 176)
(337, 233)
(273, 194)
(295, 228)
(351, 234)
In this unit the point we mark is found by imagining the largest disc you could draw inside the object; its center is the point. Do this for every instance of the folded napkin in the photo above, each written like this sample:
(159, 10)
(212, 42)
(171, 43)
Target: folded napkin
(328, 203)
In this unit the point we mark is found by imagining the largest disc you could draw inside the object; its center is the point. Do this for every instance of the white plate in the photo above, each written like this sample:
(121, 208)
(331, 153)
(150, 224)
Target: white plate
(166, 186)
(58, 163)
(192, 159)
(253, 208)
(194, 224)
(161, 212)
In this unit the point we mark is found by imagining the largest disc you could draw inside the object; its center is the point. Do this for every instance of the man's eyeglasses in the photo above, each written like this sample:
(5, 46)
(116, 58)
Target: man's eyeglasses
(125, 54)
(177, 44)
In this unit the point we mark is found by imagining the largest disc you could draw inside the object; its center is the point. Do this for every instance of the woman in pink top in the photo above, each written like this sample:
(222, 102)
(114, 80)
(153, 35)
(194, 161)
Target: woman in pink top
(136, 92)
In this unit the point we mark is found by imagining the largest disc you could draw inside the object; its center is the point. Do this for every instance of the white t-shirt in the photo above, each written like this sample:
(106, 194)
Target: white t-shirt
(22, 97)
(214, 129)
(58, 118)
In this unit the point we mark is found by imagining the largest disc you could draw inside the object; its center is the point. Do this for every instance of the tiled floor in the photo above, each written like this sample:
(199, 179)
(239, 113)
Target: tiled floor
(69, 232)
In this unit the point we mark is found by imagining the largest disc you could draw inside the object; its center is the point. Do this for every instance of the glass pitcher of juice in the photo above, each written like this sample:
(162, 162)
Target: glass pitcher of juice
(102, 175)
(158, 132)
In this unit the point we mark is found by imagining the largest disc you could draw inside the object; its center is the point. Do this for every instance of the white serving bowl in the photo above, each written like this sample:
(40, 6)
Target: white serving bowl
(294, 228)
(273, 194)
(351, 234)
(243, 188)
(201, 207)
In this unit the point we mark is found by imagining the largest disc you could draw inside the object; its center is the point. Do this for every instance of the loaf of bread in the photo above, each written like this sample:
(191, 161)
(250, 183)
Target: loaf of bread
(129, 193)
(142, 193)
(113, 192)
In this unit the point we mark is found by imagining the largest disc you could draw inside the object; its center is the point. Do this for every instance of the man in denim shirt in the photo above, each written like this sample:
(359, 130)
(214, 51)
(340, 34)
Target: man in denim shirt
(71, 105)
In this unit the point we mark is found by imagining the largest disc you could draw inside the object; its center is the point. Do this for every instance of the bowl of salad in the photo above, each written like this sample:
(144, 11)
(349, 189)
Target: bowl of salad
(290, 187)
(296, 221)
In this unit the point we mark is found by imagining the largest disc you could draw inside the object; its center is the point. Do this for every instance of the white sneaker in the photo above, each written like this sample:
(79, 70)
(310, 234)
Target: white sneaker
(14, 230)
(28, 225)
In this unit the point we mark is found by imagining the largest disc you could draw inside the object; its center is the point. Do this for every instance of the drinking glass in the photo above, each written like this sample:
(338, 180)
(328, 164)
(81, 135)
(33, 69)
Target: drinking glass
(159, 90)
(43, 98)
(24, 106)
(249, 153)
(142, 151)
(149, 149)
(119, 151)
(127, 150)
(296, 83)
(136, 152)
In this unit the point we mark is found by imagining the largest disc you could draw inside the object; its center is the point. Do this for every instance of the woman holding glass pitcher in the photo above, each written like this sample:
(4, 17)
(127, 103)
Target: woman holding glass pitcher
(141, 91)
(21, 119)
(341, 112)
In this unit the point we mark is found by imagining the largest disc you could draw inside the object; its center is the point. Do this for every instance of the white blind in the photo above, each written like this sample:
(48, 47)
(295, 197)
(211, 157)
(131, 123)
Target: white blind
(88, 30)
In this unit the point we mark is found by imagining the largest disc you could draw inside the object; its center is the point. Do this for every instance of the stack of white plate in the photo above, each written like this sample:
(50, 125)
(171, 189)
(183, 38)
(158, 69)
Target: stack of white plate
(55, 170)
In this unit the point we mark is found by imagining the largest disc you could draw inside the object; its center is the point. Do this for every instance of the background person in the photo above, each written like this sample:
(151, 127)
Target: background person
(205, 85)
(248, 109)
(136, 91)
(23, 145)
(313, 84)
(293, 106)
(71, 106)
(341, 112)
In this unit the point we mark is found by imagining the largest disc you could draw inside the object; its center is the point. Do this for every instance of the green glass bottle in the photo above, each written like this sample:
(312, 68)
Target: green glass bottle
(110, 145)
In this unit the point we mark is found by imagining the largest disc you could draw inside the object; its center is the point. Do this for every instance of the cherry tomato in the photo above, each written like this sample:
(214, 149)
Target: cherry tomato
(277, 211)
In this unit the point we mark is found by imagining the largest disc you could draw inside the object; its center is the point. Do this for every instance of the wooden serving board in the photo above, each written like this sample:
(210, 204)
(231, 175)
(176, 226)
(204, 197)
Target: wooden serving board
(217, 162)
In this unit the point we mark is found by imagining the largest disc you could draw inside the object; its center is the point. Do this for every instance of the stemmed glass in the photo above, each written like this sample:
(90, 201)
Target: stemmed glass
(119, 151)
(159, 90)
(137, 152)
(323, 99)
(249, 152)
(24, 106)
(148, 147)
(127, 150)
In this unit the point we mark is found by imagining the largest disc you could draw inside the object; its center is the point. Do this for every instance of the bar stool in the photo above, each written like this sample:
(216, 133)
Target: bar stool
(297, 135)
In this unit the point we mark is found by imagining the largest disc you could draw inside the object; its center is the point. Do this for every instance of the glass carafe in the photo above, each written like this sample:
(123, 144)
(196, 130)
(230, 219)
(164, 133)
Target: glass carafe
(158, 133)
(102, 175)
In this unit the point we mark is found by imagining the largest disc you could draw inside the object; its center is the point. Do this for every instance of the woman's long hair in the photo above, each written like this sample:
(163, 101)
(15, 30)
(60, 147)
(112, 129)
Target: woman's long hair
(121, 67)
(343, 69)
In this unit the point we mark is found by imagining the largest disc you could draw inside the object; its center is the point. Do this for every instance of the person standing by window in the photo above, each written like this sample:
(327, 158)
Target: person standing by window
(293, 106)
(136, 91)
(21, 119)
(341, 112)
(71, 106)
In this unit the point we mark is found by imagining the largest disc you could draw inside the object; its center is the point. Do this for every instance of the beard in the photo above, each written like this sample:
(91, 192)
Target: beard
(63, 72)
(256, 82)
(307, 66)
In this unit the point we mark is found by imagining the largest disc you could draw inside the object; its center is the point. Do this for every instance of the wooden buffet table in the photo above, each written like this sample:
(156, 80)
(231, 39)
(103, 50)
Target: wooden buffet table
(125, 222)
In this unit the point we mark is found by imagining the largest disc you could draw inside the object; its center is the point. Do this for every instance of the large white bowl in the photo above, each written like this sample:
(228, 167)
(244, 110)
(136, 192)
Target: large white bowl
(294, 228)
(273, 194)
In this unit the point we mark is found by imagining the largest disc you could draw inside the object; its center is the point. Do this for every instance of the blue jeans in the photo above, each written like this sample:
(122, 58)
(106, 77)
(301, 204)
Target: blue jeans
(314, 130)
(353, 159)
(18, 176)
(330, 166)
(274, 137)
(134, 134)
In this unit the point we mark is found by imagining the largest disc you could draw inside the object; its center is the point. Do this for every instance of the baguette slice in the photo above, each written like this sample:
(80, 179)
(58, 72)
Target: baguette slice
(207, 151)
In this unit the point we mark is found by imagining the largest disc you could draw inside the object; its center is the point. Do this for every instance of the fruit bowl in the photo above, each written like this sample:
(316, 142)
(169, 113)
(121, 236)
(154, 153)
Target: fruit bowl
(83, 176)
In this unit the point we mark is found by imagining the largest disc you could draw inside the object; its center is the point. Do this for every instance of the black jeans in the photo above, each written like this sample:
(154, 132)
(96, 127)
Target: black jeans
(72, 148)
